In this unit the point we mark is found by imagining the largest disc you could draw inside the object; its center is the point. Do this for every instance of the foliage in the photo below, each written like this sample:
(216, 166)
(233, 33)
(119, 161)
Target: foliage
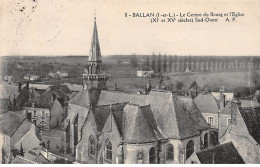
(134, 61)
(179, 85)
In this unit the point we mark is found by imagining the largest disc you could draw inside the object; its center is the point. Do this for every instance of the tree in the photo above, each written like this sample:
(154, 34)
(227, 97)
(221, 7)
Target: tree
(159, 63)
(134, 61)
(147, 62)
(179, 85)
(153, 62)
(175, 63)
(170, 64)
(164, 63)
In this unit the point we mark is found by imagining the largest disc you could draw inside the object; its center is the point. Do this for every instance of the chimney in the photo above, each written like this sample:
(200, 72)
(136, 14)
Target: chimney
(235, 105)
(19, 87)
(27, 85)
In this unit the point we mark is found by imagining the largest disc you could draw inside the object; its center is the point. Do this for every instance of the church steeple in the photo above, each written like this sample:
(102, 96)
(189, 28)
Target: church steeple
(94, 53)
(93, 77)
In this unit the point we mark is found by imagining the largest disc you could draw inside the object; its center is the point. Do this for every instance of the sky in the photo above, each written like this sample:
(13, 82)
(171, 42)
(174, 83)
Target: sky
(64, 27)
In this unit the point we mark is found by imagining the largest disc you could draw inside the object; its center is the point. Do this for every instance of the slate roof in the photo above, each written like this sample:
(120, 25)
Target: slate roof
(35, 156)
(23, 97)
(194, 113)
(10, 122)
(101, 114)
(46, 99)
(37, 86)
(136, 127)
(251, 117)
(4, 103)
(172, 121)
(221, 154)
(206, 103)
(85, 97)
(226, 110)
(111, 97)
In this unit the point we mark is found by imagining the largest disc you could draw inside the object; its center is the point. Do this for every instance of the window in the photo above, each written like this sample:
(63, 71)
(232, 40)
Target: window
(43, 113)
(189, 149)
(34, 113)
(91, 146)
(108, 151)
(206, 141)
(210, 121)
(169, 152)
(139, 158)
(152, 156)
(228, 121)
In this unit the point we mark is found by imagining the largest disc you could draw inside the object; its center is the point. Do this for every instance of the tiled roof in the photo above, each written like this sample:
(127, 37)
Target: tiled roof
(251, 117)
(221, 154)
(193, 112)
(206, 103)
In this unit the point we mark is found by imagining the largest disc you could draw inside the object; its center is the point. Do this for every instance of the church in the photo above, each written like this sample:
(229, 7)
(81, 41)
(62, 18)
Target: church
(113, 127)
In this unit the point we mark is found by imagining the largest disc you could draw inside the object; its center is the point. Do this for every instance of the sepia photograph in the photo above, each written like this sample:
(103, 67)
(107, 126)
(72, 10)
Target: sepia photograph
(129, 82)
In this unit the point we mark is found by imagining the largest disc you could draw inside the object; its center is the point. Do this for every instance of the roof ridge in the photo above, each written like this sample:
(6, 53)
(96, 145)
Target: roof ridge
(210, 148)
(27, 159)
(18, 126)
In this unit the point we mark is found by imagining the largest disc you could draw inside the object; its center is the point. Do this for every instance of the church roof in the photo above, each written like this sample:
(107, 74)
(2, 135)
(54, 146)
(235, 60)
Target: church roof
(85, 97)
(137, 128)
(193, 112)
(172, 121)
(95, 53)
(101, 113)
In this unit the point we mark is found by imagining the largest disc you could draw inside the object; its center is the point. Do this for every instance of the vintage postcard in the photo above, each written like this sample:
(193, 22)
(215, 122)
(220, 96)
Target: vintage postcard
(129, 82)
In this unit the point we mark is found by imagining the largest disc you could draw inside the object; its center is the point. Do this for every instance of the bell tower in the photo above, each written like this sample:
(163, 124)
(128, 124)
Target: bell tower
(93, 78)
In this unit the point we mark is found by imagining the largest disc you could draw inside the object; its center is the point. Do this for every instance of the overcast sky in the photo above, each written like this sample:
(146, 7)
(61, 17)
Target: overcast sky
(64, 27)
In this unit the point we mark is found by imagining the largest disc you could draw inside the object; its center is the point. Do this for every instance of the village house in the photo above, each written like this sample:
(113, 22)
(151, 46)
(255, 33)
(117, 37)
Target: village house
(221, 154)
(210, 108)
(244, 132)
(62, 74)
(144, 72)
(16, 132)
(47, 111)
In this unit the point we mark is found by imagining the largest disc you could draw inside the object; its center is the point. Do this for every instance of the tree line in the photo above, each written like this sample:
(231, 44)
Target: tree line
(163, 64)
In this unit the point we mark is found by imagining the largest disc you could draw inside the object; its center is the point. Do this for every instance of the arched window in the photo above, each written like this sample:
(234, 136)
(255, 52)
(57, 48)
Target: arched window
(91, 146)
(189, 149)
(108, 151)
(206, 141)
(152, 156)
(169, 152)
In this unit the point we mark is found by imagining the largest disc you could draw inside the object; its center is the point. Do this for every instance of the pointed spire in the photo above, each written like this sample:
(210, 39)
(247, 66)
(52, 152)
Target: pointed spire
(95, 54)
